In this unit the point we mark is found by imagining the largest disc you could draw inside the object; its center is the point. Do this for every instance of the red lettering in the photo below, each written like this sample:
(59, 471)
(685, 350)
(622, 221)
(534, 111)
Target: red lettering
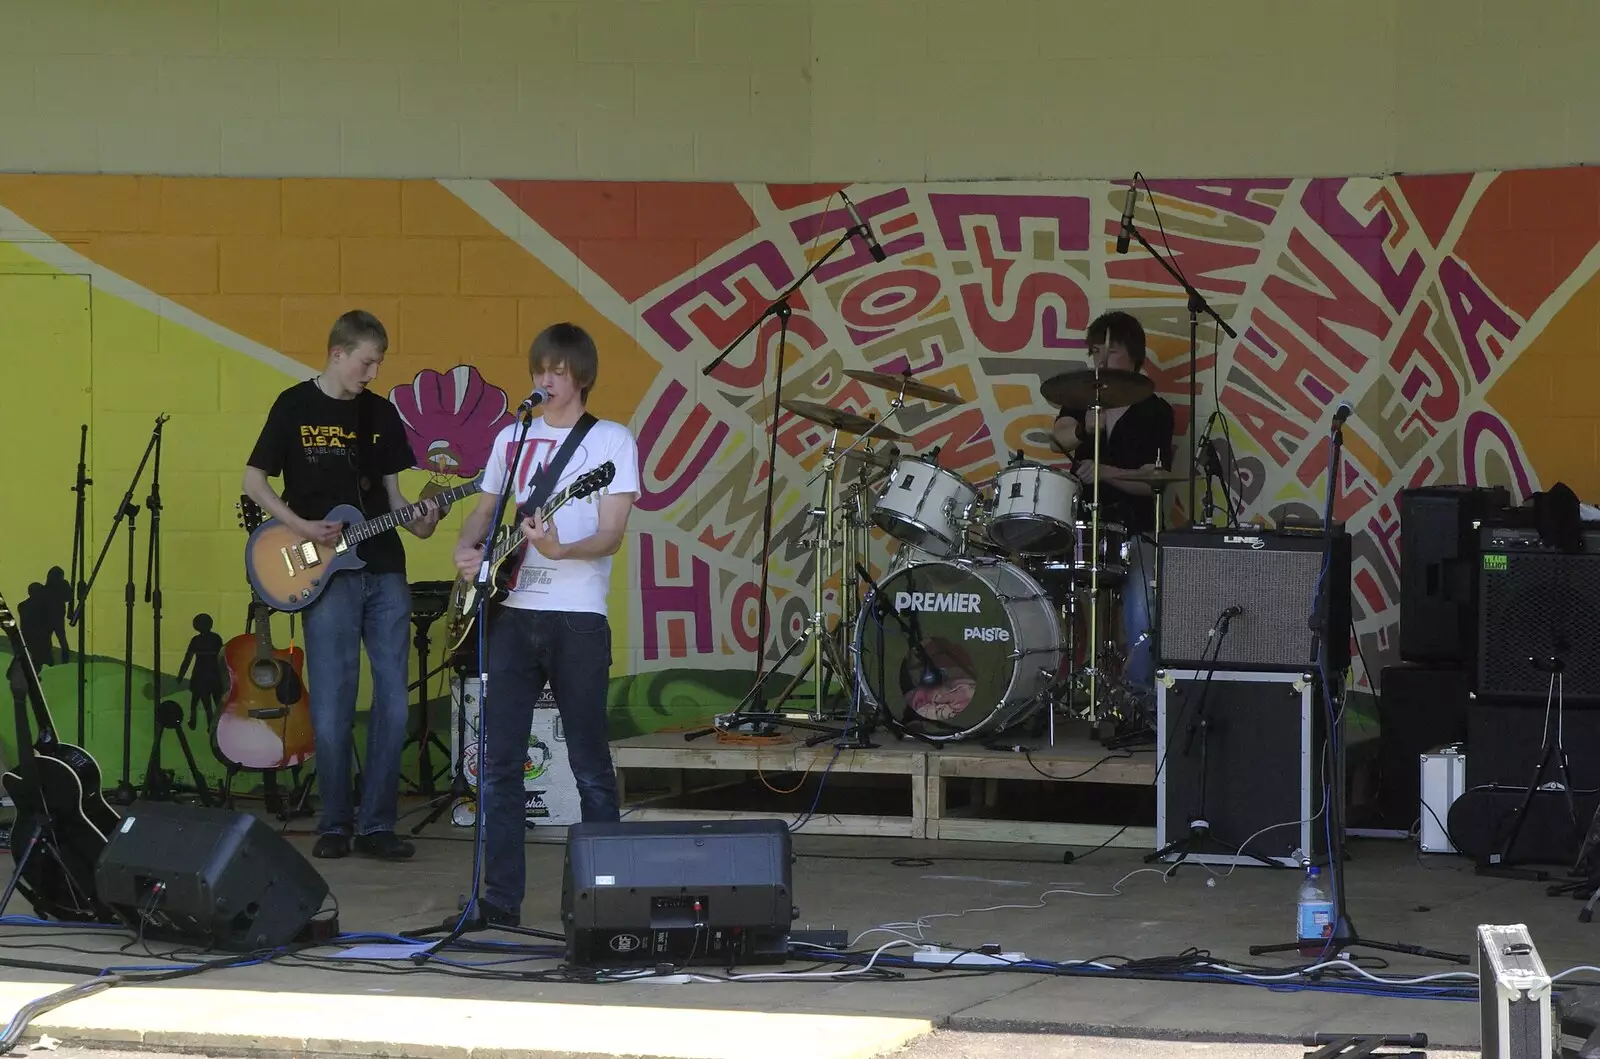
(1313, 311)
(1483, 325)
(1269, 427)
(1428, 368)
(1351, 495)
(1196, 258)
(1230, 196)
(672, 460)
(1291, 364)
(1049, 307)
(879, 303)
(964, 439)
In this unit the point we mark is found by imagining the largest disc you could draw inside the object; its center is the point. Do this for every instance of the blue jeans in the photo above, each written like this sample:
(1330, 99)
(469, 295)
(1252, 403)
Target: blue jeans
(1138, 630)
(355, 607)
(572, 651)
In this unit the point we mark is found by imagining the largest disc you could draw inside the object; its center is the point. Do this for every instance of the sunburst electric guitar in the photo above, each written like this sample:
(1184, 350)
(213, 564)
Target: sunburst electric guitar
(63, 821)
(508, 545)
(289, 572)
(265, 721)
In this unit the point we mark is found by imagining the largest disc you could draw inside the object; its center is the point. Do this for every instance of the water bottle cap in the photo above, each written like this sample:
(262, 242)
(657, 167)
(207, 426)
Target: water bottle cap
(1314, 870)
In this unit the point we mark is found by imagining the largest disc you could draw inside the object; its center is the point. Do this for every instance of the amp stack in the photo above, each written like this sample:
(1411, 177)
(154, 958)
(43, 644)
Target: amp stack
(1240, 720)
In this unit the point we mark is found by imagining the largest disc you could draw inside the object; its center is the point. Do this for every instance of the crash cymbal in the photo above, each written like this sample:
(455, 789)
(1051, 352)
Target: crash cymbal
(1076, 389)
(912, 388)
(839, 419)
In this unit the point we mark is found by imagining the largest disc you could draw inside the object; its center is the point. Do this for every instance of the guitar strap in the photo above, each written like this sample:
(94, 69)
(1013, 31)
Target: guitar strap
(544, 480)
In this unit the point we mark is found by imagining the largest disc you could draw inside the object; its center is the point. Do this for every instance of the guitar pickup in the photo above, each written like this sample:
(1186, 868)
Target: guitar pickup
(307, 553)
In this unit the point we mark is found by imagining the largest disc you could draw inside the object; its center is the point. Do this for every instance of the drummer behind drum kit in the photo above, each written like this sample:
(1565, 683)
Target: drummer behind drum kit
(963, 637)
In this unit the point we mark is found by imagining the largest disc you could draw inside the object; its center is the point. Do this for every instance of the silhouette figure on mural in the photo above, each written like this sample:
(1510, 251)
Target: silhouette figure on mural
(205, 686)
(58, 600)
(33, 619)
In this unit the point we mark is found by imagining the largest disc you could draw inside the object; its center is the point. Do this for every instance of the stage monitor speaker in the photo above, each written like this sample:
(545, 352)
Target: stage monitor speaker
(1420, 708)
(1263, 751)
(1535, 604)
(681, 893)
(1271, 576)
(1438, 592)
(214, 877)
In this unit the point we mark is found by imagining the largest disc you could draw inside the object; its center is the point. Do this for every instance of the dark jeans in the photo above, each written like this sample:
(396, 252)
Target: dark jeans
(355, 607)
(572, 650)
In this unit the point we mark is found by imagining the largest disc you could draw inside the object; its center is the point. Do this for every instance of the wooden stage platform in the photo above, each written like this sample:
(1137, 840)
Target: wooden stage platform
(696, 770)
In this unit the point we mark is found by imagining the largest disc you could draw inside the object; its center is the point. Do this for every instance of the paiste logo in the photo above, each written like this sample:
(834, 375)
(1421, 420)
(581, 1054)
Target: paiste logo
(938, 602)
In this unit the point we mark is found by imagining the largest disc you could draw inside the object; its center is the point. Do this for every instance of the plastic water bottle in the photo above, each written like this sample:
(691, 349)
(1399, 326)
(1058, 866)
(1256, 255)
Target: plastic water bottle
(1314, 915)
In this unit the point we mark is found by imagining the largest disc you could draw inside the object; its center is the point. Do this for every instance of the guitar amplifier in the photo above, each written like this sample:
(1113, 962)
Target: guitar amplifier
(713, 892)
(1271, 576)
(1535, 603)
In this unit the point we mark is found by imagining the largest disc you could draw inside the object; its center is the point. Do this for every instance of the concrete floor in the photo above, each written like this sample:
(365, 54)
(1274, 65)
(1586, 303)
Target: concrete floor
(854, 884)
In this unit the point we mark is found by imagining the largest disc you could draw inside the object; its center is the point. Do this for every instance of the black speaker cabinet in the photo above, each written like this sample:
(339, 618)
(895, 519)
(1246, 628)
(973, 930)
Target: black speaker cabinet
(214, 877)
(1263, 750)
(1420, 708)
(1271, 576)
(1438, 590)
(1535, 604)
(692, 892)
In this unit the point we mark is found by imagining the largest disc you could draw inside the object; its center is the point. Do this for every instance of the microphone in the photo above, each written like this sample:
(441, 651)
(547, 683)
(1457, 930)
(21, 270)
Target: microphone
(1232, 612)
(536, 398)
(863, 228)
(1341, 415)
(1127, 218)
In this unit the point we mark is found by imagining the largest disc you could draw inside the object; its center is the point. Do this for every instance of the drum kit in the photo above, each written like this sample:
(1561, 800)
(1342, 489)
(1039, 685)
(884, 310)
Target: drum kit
(994, 606)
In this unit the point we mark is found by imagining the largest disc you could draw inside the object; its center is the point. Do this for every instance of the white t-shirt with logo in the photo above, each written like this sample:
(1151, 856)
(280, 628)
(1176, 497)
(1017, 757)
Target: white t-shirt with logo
(570, 584)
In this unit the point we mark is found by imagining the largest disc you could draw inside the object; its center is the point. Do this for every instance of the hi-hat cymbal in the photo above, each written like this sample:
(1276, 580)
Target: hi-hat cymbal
(1154, 476)
(839, 419)
(905, 383)
(883, 459)
(1110, 389)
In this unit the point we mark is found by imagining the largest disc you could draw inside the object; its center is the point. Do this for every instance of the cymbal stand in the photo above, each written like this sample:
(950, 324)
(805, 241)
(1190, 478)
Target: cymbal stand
(1094, 565)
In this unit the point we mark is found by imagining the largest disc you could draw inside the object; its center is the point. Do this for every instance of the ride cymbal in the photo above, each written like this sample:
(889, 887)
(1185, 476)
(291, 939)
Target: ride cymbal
(839, 419)
(906, 384)
(1079, 389)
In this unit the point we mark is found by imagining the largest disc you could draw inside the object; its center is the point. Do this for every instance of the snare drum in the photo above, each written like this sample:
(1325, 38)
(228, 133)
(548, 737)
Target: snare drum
(958, 648)
(1074, 564)
(923, 504)
(1034, 509)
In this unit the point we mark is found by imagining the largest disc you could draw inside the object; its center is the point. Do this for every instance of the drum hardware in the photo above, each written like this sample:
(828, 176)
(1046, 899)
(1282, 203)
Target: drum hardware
(905, 386)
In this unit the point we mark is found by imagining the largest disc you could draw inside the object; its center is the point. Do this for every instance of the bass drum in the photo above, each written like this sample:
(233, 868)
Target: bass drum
(956, 648)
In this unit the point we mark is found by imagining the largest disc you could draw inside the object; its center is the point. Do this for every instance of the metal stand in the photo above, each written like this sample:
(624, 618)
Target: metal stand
(1554, 756)
(152, 596)
(80, 562)
(460, 791)
(1197, 305)
(423, 736)
(1344, 935)
(158, 786)
(781, 309)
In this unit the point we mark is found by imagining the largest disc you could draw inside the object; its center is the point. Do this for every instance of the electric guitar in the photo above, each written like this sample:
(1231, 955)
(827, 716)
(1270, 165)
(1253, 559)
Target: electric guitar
(289, 572)
(462, 615)
(63, 821)
(265, 721)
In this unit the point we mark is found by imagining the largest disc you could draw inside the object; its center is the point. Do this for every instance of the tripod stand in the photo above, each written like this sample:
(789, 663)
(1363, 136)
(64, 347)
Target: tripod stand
(124, 793)
(462, 791)
(1343, 934)
(423, 736)
(80, 560)
(1554, 756)
(158, 783)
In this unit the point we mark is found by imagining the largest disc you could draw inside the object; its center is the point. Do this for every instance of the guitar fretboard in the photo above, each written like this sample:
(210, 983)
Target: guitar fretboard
(392, 519)
(515, 539)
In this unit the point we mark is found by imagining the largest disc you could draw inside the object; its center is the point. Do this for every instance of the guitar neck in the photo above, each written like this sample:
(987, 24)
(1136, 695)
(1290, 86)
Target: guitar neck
(42, 721)
(392, 519)
(516, 540)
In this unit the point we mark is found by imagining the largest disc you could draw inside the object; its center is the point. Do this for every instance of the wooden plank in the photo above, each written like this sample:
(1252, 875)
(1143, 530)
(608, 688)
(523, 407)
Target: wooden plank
(1138, 770)
(1043, 833)
(887, 826)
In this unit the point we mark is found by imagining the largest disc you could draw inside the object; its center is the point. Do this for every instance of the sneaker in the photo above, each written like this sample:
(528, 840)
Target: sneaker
(495, 916)
(385, 845)
(331, 846)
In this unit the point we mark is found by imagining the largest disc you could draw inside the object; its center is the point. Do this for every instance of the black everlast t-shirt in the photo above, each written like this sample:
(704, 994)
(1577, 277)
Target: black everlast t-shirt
(1141, 435)
(333, 452)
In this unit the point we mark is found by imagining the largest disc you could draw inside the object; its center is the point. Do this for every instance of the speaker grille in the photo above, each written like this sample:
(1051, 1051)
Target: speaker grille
(1538, 605)
(1273, 584)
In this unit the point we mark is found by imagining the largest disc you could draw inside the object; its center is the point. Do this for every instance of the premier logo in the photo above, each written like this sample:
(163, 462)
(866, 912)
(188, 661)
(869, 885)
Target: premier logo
(938, 602)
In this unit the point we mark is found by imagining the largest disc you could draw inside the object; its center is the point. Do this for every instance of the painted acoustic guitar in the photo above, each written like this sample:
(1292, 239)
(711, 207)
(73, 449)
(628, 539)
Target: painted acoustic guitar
(289, 572)
(56, 788)
(462, 615)
(265, 721)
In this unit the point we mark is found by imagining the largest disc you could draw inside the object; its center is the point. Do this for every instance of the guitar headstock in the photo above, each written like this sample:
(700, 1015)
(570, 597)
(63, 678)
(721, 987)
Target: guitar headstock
(250, 514)
(592, 481)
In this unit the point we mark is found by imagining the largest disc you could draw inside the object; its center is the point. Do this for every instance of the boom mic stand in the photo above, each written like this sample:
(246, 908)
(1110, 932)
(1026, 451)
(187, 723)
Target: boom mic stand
(80, 559)
(152, 596)
(124, 793)
(1197, 305)
(1344, 934)
(781, 309)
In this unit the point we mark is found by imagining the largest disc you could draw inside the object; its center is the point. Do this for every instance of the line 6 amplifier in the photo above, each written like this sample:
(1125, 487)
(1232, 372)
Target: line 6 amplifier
(689, 892)
(1271, 577)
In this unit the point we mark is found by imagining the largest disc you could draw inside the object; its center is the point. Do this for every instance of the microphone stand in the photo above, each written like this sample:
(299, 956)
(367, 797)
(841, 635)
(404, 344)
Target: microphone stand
(485, 583)
(1197, 305)
(781, 309)
(152, 596)
(1344, 933)
(79, 562)
(124, 793)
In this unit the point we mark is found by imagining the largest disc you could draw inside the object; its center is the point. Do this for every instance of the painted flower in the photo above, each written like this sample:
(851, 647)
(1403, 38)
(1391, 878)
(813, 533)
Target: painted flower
(452, 418)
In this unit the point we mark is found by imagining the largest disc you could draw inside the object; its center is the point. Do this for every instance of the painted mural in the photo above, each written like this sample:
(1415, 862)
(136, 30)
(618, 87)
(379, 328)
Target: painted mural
(1457, 314)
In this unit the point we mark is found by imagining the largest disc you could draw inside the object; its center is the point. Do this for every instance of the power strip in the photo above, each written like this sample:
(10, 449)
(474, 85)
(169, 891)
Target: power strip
(933, 956)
